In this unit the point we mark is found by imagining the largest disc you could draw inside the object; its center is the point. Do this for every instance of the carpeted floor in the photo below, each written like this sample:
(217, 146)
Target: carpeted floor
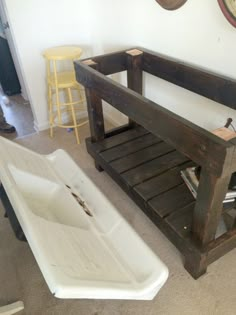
(21, 279)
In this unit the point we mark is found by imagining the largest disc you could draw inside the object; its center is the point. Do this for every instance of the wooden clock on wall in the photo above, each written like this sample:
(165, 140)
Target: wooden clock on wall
(228, 7)
(171, 4)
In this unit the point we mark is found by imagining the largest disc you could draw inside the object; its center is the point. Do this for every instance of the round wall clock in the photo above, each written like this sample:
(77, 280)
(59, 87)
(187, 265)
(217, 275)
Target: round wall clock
(171, 4)
(228, 7)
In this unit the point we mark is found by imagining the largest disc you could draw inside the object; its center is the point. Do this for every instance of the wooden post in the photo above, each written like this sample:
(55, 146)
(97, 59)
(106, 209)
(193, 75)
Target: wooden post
(208, 208)
(134, 73)
(95, 112)
(196, 264)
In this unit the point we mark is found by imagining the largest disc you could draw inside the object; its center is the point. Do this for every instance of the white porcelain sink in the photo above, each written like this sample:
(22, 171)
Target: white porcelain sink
(83, 246)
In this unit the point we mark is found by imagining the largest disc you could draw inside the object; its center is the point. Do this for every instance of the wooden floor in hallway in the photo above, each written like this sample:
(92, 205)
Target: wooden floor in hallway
(18, 113)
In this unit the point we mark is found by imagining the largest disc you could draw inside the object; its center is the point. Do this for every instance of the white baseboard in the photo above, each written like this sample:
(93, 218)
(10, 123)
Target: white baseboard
(45, 125)
(111, 119)
(115, 121)
(41, 126)
(24, 95)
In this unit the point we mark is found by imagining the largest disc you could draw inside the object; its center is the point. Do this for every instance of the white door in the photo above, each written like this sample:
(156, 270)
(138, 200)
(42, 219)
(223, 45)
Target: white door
(10, 40)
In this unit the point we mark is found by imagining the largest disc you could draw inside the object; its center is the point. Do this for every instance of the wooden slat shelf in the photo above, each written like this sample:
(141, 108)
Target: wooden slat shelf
(155, 178)
(145, 156)
(168, 202)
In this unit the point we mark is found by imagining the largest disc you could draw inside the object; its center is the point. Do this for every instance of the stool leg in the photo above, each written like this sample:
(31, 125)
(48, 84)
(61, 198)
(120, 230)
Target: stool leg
(50, 100)
(68, 101)
(81, 98)
(73, 115)
(50, 110)
(58, 104)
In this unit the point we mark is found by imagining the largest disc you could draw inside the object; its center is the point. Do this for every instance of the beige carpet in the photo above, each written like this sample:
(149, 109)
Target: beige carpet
(20, 277)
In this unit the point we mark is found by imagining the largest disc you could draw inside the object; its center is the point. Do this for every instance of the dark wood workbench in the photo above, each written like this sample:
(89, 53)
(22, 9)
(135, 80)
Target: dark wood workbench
(145, 156)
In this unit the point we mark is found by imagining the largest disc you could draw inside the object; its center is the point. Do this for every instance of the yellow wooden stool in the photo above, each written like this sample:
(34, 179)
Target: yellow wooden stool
(63, 103)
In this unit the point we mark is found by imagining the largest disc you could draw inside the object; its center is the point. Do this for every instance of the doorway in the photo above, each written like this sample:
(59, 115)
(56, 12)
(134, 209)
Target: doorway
(13, 94)
(8, 36)
(8, 76)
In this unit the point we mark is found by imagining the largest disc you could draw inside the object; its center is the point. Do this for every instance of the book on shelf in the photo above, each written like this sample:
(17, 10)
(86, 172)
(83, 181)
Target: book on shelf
(192, 182)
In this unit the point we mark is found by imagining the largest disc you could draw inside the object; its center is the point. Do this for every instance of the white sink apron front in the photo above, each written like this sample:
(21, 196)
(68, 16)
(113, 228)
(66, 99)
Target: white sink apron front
(83, 246)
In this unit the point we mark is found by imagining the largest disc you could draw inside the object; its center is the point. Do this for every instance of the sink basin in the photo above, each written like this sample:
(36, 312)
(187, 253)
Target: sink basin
(83, 246)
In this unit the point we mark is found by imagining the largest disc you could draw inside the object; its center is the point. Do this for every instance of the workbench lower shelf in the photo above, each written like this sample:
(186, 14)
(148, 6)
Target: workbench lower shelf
(148, 170)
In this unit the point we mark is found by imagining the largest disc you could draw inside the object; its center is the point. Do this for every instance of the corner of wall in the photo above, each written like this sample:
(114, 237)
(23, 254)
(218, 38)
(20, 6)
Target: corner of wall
(42, 126)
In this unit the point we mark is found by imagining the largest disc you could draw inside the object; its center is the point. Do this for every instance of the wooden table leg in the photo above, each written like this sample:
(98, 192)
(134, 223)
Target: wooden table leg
(135, 73)
(208, 208)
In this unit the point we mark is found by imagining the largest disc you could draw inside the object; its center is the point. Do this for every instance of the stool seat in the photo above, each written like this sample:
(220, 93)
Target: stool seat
(61, 84)
(63, 53)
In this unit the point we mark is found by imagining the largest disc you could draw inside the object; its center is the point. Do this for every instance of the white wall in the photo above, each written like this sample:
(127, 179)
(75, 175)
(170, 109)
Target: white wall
(196, 33)
(37, 25)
